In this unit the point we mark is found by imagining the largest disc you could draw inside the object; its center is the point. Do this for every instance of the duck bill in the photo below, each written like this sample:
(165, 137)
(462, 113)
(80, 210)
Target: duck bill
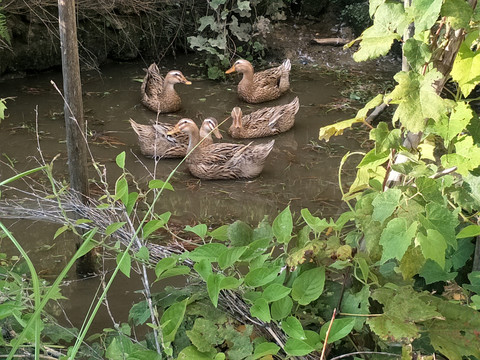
(231, 70)
(186, 82)
(217, 134)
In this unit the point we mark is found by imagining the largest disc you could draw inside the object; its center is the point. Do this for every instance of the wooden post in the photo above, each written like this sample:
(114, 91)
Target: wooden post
(73, 109)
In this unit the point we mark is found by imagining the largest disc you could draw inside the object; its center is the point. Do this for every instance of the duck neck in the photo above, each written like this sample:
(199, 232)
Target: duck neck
(193, 139)
(168, 87)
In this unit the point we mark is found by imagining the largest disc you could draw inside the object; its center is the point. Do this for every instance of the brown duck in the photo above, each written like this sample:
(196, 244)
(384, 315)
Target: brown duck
(154, 141)
(158, 93)
(262, 86)
(264, 122)
(222, 160)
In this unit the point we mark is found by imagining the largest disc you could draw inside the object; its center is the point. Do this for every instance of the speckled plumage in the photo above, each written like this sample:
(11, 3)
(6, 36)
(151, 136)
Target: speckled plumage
(158, 93)
(262, 86)
(223, 160)
(155, 142)
(263, 122)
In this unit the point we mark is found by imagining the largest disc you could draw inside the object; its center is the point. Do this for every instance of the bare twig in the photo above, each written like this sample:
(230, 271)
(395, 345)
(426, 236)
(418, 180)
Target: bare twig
(322, 357)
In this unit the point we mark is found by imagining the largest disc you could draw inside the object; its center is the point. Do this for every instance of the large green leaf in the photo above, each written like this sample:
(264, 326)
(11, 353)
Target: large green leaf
(281, 308)
(283, 225)
(417, 100)
(466, 157)
(396, 238)
(456, 333)
(293, 328)
(209, 252)
(262, 276)
(466, 67)
(433, 246)
(265, 348)
(171, 320)
(339, 329)
(457, 12)
(274, 292)
(417, 53)
(308, 286)
(449, 127)
(385, 204)
(432, 272)
(261, 310)
(315, 223)
(425, 13)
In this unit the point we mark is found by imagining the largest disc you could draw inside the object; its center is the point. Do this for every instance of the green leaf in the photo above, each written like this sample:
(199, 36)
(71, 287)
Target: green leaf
(230, 256)
(308, 286)
(433, 246)
(121, 190)
(205, 335)
(417, 53)
(274, 292)
(131, 201)
(261, 310)
(164, 264)
(443, 220)
(264, 349)
(455, 336)
(378, 39)
(469, 231)
(200, 230)
(465, 67)
(340, 328)
(281, 308)
(283, 225)
(239, 233)
(457, 12)
(120, 160)
(450, 128)
(139, 313)
(124, 262)
(159, 184)
(203, 268)
(297, 347)
(171, 320)
(425, 13)
(385, 204)
(315, 223)
(176, 271)
(417, 100)
(191, 353)
(143, 253)
(396, 238)
(262, 276)
(60, 231)
(432, 272)
(220, 233)
(210, 252)
(466, 157)
(293, 328)
(152, 226)
(114, 227)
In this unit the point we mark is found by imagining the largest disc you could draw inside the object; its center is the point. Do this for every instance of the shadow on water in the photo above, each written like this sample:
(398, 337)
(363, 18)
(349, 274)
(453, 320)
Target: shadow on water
(296, 172)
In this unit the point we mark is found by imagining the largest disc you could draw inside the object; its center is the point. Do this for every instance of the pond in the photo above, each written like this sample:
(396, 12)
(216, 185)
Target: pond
(300, 171)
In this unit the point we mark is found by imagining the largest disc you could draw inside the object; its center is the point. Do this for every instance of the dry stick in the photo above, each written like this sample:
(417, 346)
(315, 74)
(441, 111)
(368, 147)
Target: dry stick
(327, 334)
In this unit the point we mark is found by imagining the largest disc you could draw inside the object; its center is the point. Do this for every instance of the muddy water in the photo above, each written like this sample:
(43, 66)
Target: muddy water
(296, 172)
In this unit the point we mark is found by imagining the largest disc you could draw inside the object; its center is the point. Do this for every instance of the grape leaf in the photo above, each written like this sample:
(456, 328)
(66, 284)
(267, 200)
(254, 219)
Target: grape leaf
(432, 272)
(416, 99)
(458, 13)
(425, 13)
(466, 157)
(466, 66)
(433, 246)
(385, 204)
(449, 128)
(417, 53)
(396, 238)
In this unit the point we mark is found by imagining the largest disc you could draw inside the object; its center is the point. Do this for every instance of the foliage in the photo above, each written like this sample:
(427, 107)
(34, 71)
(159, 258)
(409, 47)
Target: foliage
(234, 28)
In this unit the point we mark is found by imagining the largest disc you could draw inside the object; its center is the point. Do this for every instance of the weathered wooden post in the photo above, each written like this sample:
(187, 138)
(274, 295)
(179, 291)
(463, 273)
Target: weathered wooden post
(73, 109)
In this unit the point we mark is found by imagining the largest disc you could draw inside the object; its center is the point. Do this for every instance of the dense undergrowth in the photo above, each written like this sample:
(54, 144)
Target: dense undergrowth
(396, 276)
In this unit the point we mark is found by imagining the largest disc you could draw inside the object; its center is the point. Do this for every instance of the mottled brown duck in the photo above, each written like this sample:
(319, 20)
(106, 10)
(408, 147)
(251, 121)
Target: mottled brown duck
(158, 93)
(222, 160)
(155, 142)
(261, 86)
(263, 122)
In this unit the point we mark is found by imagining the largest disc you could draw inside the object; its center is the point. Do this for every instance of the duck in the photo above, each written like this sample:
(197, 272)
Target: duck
(158, 93)
(155, 142)
(263, 86)
(222, 160)
(263, 122)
